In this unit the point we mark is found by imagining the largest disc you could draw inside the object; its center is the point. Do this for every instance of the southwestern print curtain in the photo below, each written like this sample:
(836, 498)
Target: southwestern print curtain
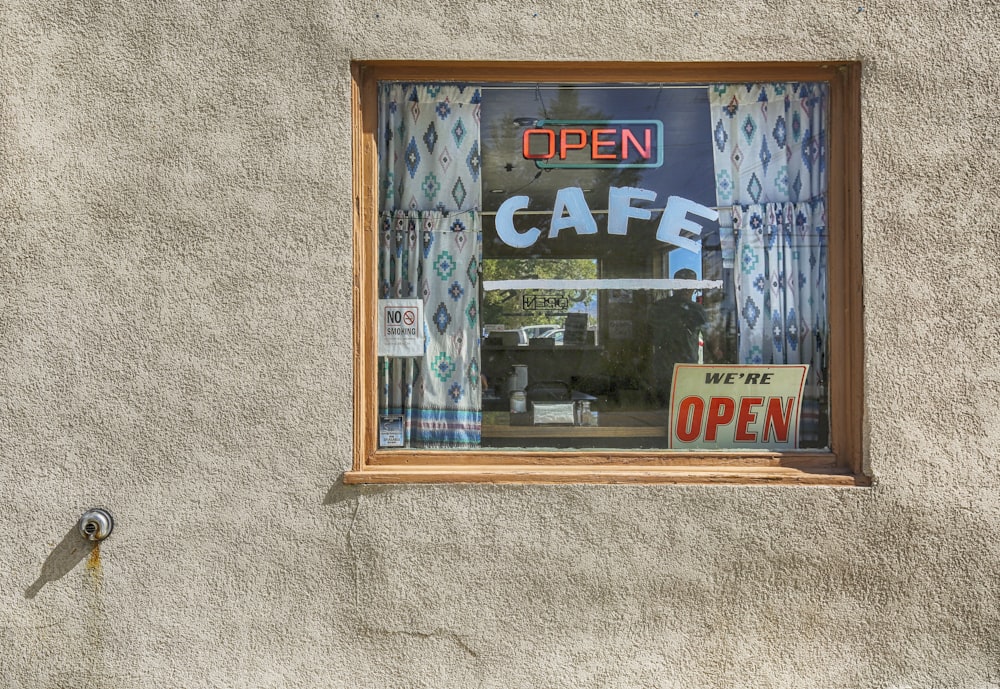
(770, 167)
(430, 247)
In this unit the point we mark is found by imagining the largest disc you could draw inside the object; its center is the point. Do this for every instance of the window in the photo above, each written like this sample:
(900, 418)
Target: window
(607, 272)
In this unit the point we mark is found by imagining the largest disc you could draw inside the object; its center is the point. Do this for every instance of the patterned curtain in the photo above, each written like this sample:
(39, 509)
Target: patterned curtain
(430, 247)
(770, 166)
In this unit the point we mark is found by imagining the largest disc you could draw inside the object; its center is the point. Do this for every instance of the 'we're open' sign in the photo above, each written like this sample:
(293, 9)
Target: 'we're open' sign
(736, 407)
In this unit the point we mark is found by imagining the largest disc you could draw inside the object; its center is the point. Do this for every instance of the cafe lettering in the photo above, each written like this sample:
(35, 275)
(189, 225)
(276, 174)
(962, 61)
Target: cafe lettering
(570, 211)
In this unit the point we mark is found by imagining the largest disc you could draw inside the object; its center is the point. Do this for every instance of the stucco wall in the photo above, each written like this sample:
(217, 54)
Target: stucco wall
(175, 345)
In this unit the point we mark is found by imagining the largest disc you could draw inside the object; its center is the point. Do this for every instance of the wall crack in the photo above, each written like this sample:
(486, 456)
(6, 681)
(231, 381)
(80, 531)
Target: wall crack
(447, 634)
(355, 560)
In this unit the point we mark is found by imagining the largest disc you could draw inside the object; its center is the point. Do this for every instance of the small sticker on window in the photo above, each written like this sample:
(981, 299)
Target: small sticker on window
(390, 430)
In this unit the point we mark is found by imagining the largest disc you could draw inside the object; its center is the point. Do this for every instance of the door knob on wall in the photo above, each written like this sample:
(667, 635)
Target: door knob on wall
(96, 524)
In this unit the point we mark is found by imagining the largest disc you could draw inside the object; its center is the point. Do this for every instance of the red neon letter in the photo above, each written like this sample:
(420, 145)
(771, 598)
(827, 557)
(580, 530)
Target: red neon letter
(643, 153)
(689, 413)
(778, 420)
(596, 144)
(526, 149)
(746, 418)
(720, 412)
(565, 145)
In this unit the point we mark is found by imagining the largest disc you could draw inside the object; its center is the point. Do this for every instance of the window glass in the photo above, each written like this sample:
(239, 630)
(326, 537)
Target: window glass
(590, 266)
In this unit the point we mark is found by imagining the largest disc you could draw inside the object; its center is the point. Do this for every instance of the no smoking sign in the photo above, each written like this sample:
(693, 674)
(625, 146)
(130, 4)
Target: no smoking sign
(401, 330)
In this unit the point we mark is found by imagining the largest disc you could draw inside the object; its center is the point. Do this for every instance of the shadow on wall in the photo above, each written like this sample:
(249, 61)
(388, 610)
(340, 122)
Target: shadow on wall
(339, 492)
(64, 557)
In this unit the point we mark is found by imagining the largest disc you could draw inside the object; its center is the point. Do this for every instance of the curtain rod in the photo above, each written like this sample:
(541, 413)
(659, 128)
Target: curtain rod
(604, 211)
(601, 284)
(606, 87)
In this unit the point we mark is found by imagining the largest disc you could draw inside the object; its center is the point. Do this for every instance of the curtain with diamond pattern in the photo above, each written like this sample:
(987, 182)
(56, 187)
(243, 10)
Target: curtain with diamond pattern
(770, 167)
(430, 247)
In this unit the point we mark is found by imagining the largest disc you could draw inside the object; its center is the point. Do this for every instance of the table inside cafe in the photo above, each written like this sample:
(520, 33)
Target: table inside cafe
(621, 429)
(619, 418)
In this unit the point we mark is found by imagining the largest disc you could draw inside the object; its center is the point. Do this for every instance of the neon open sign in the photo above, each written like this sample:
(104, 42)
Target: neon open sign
(594, 143)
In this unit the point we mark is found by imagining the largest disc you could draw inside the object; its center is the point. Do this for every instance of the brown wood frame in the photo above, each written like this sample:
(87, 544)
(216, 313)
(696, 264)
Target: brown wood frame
(842, 465)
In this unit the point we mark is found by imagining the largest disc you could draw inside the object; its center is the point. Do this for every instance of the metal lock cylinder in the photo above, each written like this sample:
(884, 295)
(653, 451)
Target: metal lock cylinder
(96, 524)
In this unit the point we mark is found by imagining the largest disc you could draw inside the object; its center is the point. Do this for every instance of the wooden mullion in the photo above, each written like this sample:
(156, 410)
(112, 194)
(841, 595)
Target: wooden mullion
(854, 285)
(365, 182)
(620, 72)
(837, 381)
(845, 339)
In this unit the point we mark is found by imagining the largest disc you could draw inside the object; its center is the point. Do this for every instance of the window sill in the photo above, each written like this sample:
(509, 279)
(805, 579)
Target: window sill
(605, 474)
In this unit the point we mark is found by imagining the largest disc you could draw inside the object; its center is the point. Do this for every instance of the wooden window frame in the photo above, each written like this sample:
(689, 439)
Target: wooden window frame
(841, 465)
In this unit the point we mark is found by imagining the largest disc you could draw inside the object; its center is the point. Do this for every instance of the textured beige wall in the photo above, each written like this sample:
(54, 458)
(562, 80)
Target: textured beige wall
(175, 345)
